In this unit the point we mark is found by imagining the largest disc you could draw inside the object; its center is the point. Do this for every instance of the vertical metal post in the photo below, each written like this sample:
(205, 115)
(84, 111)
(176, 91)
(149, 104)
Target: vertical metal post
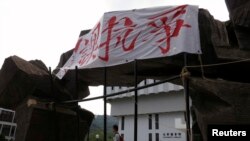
(186, 93)
(76, 82)
(51, 84)
(105, 105)
(76, 93)
(136, 101)
(56, 122)
(14, 134)
(10, 130)
(14, 114)
(54, 105)
(1, 128)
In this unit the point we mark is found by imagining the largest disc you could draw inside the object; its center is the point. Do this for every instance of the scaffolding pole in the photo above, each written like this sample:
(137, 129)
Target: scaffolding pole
(77, 112)
(186, 93)
(136, 101)
(105, 105)
(54, 105)
(125, 91)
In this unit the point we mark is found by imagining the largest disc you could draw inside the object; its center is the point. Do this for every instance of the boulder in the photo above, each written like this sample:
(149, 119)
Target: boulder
(28, 88)
(239, 13)
(19, 78)
(216, 101)
(44, 122)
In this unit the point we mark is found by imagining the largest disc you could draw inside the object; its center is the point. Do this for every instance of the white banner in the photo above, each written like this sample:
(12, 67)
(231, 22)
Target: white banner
(123, 36)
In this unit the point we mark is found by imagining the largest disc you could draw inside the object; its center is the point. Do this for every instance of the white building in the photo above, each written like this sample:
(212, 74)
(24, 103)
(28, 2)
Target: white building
(160, 112)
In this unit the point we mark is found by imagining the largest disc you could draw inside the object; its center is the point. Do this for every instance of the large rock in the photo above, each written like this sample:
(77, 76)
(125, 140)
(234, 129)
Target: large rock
(19, 78)
(29, 88)
(239, 12)
(39, 121)
(220, 102)
(70, 81)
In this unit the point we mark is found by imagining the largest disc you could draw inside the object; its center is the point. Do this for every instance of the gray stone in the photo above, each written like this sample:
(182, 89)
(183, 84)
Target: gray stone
(239, 12)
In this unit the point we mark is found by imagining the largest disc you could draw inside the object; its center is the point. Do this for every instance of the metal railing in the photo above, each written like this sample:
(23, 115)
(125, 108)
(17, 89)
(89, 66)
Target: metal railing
(7, 125)
(135, 90)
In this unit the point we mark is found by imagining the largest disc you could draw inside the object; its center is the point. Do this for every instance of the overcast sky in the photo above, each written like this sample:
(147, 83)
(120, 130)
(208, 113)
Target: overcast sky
(44, 29)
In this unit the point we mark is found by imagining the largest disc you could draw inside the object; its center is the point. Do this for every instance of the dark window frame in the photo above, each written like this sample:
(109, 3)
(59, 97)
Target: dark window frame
(156, 121)
(122, 122)
(150, 122)
(157, 137)
(150, 137)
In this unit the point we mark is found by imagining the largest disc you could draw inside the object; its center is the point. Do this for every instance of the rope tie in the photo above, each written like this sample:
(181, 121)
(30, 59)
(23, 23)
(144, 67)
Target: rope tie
(185, 74)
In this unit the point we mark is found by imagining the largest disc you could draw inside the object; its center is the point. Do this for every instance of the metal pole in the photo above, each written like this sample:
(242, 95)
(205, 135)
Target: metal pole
(105, 104)
(52, 84)
(125, 91)
(76, 81)
(54, 105)
(186, 93)
(76, 93)
(56, 122)
(1, 128)
(136, 102)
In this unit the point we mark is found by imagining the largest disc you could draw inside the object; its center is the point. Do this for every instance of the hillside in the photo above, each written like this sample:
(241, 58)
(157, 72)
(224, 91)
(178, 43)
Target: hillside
(97, 127)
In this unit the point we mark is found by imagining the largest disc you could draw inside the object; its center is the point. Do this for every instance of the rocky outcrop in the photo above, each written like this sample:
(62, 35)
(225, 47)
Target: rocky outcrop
(28, 88)
(216, 101)
(239, 12)
(42, 122)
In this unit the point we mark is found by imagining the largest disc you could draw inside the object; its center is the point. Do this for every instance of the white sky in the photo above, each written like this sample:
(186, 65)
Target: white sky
(44, 29)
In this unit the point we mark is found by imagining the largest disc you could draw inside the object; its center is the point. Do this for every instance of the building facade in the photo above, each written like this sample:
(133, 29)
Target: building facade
(161, 112)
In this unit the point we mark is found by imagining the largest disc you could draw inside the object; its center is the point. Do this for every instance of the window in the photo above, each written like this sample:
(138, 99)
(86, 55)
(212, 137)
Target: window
(150, 137)
(122, 123)
(156, 136)
(156, 121)
(149, 122)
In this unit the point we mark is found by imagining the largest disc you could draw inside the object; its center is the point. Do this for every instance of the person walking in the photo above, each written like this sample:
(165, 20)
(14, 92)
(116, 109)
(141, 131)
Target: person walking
(117, 136)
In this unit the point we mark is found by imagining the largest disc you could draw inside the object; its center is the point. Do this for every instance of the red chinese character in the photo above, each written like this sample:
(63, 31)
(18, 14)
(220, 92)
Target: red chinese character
(128, 27)
(119, 33)
(111, 23)
(95, 34)
(89, 46)
(166, 26)
(178, 11)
